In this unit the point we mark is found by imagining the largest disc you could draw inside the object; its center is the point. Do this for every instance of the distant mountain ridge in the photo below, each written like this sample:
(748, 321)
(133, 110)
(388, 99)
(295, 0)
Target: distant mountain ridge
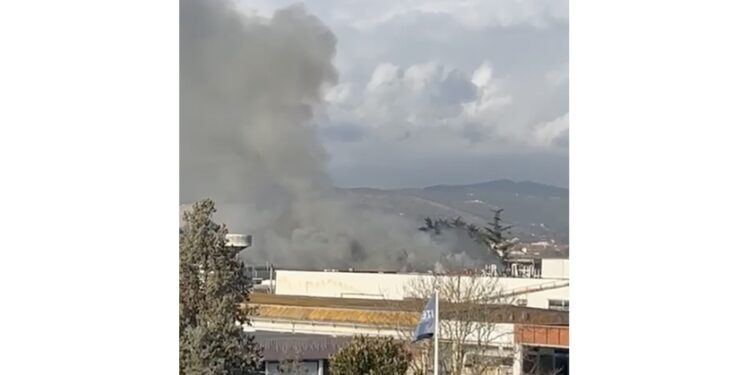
(537, 211)
(522, 187)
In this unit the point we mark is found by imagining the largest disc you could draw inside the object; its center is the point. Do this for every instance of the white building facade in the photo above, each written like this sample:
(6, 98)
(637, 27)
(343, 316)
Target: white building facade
(549, 291)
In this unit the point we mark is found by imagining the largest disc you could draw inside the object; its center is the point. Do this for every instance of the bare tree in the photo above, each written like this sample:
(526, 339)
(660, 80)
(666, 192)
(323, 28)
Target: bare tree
(291, 363)
(471, 340)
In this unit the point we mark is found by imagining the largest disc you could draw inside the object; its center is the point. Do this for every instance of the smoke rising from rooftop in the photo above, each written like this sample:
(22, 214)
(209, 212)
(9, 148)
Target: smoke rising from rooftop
(249, 89)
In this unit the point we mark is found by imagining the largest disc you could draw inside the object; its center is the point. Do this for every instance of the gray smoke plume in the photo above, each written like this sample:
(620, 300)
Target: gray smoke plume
(249, 87)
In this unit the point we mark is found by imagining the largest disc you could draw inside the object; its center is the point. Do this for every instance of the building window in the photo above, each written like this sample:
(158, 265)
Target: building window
(521, 302)
(559, 304)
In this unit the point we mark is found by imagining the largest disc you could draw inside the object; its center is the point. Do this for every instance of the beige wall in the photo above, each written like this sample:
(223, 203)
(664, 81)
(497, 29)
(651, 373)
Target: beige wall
(555, 268)
(391, 286)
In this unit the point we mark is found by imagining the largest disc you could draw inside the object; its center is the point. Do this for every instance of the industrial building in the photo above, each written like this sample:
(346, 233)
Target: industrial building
(548, 290)
(310, 314)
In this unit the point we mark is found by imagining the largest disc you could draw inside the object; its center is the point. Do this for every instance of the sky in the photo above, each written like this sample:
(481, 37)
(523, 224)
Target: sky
(443, 92)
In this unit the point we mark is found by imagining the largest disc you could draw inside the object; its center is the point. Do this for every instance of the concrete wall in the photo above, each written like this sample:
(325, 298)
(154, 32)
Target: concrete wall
(394, 286)
(555, 268)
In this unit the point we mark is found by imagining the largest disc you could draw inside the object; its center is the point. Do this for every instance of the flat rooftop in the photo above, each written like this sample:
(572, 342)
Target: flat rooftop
(392, 312)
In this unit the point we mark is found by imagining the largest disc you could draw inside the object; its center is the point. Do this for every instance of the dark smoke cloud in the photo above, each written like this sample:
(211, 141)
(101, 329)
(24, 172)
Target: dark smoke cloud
(249, 87)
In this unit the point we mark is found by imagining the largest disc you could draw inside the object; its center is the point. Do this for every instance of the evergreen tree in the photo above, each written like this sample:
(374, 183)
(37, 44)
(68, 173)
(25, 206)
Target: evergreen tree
(371, 356)
(213, 290)
(494, 235)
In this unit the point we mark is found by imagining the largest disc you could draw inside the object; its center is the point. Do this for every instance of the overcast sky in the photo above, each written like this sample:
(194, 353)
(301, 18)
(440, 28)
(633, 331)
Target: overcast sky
(444, 91)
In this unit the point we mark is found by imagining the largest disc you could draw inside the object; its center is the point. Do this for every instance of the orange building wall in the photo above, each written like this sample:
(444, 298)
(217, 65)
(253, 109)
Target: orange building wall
(538, 335)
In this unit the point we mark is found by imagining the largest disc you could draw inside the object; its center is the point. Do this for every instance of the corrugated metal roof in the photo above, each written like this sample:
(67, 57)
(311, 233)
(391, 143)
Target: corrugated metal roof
(277, 347)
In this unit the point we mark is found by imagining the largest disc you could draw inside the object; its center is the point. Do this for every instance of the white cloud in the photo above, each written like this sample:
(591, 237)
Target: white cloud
(444, 79)
(482, 75)
(398, 99)
(470, 13)
(506, 13)
(551, 133)
(339, 94)
(368, 14)
(492, 100)
(385, 76)
(400, 102)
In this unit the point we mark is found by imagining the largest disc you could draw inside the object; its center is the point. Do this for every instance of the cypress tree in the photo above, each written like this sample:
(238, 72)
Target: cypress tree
(213, 293)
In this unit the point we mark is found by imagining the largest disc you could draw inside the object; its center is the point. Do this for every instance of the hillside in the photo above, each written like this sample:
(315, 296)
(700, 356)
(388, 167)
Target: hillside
(537, 211)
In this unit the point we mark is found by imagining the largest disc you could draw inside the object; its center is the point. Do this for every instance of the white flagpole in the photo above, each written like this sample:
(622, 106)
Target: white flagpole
(437, 333)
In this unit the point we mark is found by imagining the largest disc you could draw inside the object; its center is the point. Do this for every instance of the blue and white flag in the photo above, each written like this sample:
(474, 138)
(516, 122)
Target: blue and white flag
(426, 326)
